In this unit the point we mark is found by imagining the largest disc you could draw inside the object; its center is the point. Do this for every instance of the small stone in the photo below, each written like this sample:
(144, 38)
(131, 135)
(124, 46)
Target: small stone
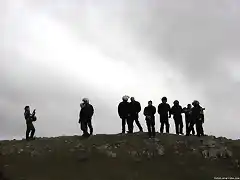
(160, 150)
(205, 153)
(111, 154)
(20, 151)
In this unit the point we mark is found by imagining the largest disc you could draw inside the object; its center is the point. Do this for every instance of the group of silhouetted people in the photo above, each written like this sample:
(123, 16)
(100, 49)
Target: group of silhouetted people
(194, 116)
(129, 113)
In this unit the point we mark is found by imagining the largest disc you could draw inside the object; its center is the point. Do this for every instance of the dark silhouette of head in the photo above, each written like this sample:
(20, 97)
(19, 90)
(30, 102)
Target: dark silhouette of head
(195, 103)
(125, 98)
(132, 99)
(85, 100)
(150, 103)
(164, 99)
(27, 108)
(189, 106)
(176, 102)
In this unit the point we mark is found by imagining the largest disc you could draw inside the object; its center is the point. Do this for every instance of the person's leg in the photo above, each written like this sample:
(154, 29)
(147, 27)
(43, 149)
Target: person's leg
(89, 123)
(193, 129)
(161, 127)
(167, 125)
(176, 126)
(32, 132)
(162, 124)
(187, 125)
(138, 124)
(181, 125)
(198, 128)
(149, 128)
(123, 125)
(153, 128)
(130, 125)
(28, 131)
(201, 129)
(84, 128)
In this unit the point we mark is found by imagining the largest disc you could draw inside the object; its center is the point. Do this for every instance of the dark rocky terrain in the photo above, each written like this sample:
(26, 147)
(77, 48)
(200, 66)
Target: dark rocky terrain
(120, 157)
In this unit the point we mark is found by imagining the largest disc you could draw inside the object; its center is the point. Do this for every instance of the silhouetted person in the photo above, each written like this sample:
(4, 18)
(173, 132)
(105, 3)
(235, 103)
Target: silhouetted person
(164, 112)
(177, 111)
(197, 116)
(30, 118)
(189, 124)
(85, 117)
(124, 114)
(149, 112)
(135, 108)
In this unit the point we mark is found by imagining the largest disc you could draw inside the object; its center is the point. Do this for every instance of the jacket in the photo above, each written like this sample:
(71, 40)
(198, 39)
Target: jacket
(149, 111)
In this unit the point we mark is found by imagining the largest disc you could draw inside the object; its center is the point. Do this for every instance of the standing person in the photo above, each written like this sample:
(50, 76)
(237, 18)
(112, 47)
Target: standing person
(149, 112)
(85, 117)
(164, 112)
(30, 118)
(188, 123)
(177, 111)
(124, 114)
(135, 108)
(198, 117)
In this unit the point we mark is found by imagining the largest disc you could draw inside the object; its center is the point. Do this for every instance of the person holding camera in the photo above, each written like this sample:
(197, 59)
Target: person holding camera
(30, 118)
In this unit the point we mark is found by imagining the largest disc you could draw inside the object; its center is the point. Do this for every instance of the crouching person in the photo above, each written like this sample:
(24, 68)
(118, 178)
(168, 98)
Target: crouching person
(149, 112)
(30, 118)
(85, 117)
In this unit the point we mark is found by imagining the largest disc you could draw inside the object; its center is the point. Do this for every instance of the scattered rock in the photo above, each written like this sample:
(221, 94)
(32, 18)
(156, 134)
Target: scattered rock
(20, 151)
(111, 154)
(215, 153)
(160, 150)
(34, 153)
(133, 153)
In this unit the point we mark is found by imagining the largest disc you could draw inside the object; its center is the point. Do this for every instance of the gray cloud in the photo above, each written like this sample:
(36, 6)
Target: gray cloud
(184, 50)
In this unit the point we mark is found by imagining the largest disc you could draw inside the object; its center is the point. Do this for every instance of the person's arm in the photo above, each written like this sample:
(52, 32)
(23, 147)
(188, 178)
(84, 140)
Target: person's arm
(92, 110)
(119, 111)
(169, 111)
(154, 110)
(182, 111)
(144, 112)
(139, 107)
(159, 109)
(79, 120)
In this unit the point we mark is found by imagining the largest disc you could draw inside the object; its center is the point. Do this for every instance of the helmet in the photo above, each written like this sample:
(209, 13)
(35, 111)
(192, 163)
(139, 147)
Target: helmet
(195, 102)
(164, 98)
(176, 102)
(26, 107)
(125, 98)
(86, 100)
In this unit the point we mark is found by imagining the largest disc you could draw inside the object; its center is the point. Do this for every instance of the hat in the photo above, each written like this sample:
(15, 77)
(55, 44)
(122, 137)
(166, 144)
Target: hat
(125, 98)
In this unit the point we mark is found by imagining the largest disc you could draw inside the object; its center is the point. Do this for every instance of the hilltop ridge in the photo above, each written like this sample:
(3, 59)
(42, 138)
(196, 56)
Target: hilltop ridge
(123, 157)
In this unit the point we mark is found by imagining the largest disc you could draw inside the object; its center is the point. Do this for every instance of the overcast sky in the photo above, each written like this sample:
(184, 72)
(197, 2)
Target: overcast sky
(55, 52)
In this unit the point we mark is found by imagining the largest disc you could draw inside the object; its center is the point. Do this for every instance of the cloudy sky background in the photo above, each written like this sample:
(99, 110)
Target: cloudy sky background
(55, 52)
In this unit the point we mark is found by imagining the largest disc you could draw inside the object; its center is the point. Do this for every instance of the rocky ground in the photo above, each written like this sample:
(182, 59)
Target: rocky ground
(120, 157)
